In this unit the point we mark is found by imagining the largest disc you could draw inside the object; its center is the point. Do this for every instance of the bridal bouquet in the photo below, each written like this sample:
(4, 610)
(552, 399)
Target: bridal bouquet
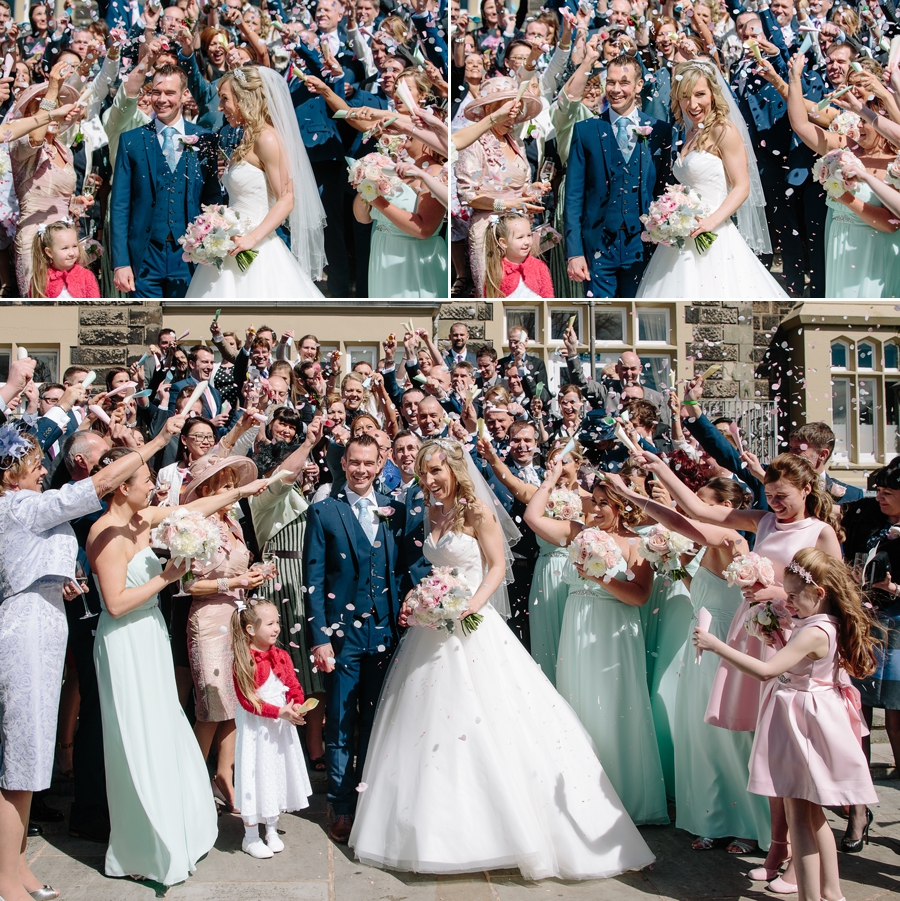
(208, 238)
(847, 124)
(440, 599)
(768, 618)
(188, 535)
(749, 570)
(597, 553)
(565, 504)
(828, 171)
(663, 547)
(368, 177)
(674, 216)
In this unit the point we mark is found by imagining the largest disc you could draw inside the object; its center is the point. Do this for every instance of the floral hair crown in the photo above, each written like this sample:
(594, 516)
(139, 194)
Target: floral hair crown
(13, 446)
(798, 570)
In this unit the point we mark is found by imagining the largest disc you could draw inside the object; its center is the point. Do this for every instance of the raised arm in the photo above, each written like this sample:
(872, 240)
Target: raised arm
(520, 490)
(556, 531)
(814, 137)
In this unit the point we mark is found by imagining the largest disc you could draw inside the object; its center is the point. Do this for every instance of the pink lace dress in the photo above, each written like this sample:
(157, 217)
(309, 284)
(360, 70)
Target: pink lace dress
(44, 190)
(735, 698)
(483, 169)
(209, 629)
(809, 739)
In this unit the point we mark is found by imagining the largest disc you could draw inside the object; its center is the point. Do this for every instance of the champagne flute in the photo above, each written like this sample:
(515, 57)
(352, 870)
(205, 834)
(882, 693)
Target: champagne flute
(81, 580)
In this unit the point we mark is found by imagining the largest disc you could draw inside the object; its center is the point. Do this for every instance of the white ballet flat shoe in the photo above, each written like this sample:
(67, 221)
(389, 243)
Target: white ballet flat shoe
(274, 842)
(257, 848)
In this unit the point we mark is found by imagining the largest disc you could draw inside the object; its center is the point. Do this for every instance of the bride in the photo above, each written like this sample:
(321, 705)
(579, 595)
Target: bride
(269, 179)
(475, 762)
(718, 162)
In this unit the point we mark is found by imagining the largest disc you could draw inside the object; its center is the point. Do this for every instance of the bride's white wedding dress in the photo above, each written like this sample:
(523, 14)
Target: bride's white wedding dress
(476, 762)
(275, 273)
(729, 268)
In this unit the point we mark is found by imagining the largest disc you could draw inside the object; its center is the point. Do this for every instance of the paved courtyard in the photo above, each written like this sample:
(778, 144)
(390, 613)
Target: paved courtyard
(312, 868)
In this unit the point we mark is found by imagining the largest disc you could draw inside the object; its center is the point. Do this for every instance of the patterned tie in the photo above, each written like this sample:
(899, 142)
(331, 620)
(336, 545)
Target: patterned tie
(364, 515)
(623, 136)
(168, 148)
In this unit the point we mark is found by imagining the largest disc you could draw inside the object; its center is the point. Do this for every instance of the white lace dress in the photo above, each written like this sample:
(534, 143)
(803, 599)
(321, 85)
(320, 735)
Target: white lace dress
(269, 769)
(729, 268)
(37, 555)
(476, 762)
(275, 273)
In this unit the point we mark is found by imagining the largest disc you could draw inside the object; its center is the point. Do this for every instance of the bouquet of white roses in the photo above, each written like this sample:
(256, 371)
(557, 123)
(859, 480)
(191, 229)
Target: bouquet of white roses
(749, 570)
(368, 177)
(439, 600)
(597, 553)
(209, 237)
(828, 171)
(847, 124)
(663, 548)
(188, 536)
(565, 504)
(673, 216)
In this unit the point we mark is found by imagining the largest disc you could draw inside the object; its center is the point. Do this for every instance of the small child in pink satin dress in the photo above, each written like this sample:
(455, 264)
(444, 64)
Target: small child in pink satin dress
(808, 745)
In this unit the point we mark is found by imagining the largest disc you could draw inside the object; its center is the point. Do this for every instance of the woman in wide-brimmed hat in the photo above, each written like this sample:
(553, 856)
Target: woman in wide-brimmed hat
(214, 589)
(492, 175)
(42, 166)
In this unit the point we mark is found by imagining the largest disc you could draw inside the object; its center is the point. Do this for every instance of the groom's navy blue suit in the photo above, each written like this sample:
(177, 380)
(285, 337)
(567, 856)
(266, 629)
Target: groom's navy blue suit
(606, 196)
(353, 600)
(151, 207)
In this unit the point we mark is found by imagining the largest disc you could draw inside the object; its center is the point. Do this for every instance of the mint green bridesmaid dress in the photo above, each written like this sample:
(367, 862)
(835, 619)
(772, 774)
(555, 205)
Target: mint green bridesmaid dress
(547, 604)
(401, 265)
(712, 764)
(860, 261)
(601, 671)
(161, 809)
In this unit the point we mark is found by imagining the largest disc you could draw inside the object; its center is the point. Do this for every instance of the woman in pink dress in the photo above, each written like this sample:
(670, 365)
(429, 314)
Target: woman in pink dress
(808, 745)
(800, 516)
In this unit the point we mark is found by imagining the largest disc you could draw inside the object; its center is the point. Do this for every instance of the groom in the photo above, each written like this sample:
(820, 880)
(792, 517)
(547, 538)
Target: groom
(618, 163)
(164, 171)
(351, 559)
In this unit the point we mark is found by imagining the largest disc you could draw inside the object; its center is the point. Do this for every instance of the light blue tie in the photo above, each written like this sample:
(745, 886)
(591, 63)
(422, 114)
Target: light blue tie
(623, 136)
(364, 515)
(168, 147)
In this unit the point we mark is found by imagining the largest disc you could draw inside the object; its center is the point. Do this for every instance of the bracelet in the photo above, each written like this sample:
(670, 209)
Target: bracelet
(869, 115)
(499, 206)
(48, 105)
(690, 403)
(222, 585)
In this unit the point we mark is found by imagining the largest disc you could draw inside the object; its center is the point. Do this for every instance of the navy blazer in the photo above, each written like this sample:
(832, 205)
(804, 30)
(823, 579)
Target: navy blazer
(134, 192)
(333, 557)
(450, 358)
(593, 155)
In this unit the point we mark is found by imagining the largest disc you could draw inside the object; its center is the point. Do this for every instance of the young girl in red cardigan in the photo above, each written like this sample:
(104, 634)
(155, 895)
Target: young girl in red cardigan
(510, 268)
(269, 770)
(57, 259)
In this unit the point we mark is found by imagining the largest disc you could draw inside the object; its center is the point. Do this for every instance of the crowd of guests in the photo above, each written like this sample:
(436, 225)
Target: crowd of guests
(105, 700)
(804, 78)
(74, 86)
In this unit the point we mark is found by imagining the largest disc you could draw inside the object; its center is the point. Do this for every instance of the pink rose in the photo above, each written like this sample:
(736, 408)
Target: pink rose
(658, 541)
(766, 573)
(745, 576)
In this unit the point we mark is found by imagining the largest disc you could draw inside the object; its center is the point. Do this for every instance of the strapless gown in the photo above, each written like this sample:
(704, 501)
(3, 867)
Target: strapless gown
(161, 810)
(727, 269)
(275, 273)
(476, 763)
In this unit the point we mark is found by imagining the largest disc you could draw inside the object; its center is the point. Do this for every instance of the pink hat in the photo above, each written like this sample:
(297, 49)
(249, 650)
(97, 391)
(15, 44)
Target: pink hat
(67, 94)
(499, 90)
(206, 467)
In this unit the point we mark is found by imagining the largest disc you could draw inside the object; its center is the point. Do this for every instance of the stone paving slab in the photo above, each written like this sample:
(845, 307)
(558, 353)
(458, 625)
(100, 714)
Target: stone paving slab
(311, 868)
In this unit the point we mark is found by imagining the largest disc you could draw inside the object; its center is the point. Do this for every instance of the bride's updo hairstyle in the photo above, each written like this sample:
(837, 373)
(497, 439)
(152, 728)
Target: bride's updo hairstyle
(684, 80)
(250, 95)
(451, 453)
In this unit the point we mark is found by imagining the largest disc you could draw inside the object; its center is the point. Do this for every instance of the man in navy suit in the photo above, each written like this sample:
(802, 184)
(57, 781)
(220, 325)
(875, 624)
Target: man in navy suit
(201, 362)
(814, 441)
(459, 346)
(351, 559)
(164, 171)
(614, 173)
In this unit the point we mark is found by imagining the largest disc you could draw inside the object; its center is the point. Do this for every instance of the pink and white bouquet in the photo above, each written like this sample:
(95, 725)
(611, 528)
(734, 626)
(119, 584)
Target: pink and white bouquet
(672, 217)
(597, 553)
(368, 177)
(893, 173)
(749, 570)
(188, 536)
(663, 548)
(768, 619)
(439, 600)
(208, 238)
(92, 248)
(847, 124)
(828, 171)
(564, 504)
